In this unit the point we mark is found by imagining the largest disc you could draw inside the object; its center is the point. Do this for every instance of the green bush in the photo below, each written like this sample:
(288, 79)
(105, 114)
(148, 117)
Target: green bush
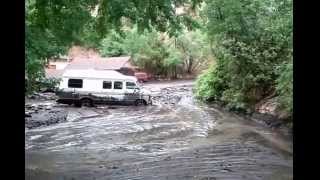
(284, 86)
(112, 45)
(50, 83)
(42, 85)
(148, 50)
(209, 86)
(250, 39)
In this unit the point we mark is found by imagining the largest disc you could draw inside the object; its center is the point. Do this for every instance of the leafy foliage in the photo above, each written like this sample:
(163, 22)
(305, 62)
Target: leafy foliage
(147, 14)
(158, 53)
(112, 45)
(151, 55)
(52, 26)
(285, 86)
(196, 50)
(89, 37)
(39, 47)
(173, 62)
(209, 85)
(50, 30)
(250, 39)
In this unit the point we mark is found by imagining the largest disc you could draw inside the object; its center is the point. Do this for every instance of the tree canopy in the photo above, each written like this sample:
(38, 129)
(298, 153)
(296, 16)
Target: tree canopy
(52, 26)
(252, 40)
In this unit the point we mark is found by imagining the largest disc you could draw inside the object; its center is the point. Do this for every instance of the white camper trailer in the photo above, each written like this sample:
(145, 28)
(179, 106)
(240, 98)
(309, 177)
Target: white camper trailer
(90, 86)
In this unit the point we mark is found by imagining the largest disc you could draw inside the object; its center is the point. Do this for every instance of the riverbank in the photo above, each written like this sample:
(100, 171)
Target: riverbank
(266, 120)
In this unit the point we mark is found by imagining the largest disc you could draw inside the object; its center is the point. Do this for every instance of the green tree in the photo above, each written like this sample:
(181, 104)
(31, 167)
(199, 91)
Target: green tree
(148, 50)
(250, 39)
(285, 86)
(195, 49)
(173, 61)
(52, 26)
(112, 45)
(50, 30)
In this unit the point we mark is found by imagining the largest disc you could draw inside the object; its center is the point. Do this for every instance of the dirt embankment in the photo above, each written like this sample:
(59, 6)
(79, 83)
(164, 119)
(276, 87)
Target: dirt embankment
(268, 119)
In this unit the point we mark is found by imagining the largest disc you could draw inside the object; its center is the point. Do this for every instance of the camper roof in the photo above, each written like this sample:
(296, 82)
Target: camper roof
(96, 74)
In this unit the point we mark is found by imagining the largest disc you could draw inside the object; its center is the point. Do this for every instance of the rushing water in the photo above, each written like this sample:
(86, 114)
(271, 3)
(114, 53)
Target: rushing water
(178, 139)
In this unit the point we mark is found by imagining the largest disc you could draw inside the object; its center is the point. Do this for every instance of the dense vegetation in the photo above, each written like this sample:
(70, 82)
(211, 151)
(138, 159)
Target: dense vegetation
(53, 26)
(158, 53)
(249, 41)
(252, 43)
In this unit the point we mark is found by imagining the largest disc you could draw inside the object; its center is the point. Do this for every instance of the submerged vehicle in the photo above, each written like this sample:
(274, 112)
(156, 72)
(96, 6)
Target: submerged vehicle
(141, 76)
(90, 86)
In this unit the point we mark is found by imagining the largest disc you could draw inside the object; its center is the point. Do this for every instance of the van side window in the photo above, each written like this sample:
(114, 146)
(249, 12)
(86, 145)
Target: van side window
(75, 83)
(107, 85)
(130, 85)
(117, 85)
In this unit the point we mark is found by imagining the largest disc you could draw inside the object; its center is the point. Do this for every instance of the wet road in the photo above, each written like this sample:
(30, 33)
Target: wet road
(176, 138)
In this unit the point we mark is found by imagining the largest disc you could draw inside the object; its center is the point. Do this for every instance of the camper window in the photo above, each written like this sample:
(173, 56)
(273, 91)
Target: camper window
(130, 85)
(75, 83)
(117, 85)
(107, 84)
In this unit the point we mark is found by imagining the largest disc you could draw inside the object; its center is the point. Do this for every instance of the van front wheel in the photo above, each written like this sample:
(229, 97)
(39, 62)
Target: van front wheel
(86, 102)
(140, 102)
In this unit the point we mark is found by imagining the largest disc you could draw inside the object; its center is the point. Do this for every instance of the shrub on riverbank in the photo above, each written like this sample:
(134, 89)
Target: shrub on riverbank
(285, 87)
(252, 44)
(44, 84)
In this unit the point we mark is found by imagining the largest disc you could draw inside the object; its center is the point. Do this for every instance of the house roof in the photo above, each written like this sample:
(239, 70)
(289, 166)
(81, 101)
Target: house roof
(113, 63)
(54, 73)
(93, 73)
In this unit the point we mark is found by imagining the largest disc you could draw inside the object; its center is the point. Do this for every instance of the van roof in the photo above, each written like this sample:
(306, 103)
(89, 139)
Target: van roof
(96, 74)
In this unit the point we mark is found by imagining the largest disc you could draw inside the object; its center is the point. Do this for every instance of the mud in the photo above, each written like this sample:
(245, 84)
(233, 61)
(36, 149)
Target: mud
(175, 138)
(42, 113)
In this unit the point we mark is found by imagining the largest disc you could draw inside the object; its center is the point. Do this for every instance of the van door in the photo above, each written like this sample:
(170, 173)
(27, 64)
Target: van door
(131, 91)
(107, 91)
(118, 91)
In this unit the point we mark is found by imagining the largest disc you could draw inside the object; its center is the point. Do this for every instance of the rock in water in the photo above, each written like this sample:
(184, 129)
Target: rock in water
(46, 118)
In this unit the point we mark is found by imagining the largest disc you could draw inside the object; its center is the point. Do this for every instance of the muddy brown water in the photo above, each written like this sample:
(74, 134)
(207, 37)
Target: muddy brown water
(172, 139)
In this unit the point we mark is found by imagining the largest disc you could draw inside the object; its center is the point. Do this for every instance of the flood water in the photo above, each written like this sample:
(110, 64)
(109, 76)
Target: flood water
(175, 138)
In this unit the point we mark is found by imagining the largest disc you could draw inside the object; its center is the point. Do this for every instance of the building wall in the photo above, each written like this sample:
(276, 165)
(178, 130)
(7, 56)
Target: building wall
(59, 65)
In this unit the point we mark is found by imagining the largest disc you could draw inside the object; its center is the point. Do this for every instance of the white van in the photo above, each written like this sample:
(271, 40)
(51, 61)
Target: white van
(90, 86)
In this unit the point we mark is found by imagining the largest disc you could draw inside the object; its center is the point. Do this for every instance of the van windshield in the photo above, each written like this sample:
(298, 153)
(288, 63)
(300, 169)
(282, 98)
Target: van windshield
(131, 85)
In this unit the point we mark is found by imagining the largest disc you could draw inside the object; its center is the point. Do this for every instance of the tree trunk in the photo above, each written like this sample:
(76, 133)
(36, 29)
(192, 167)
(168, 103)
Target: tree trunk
(190, 63)
(175, 72)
